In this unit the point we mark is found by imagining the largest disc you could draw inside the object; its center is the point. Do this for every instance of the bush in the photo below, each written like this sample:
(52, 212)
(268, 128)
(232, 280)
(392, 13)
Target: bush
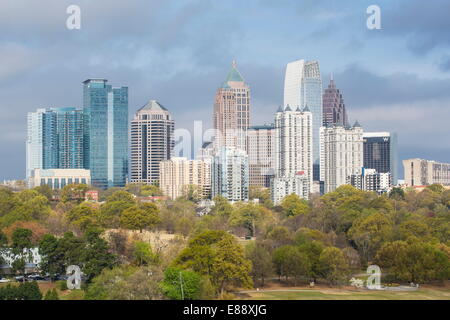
(62, 285)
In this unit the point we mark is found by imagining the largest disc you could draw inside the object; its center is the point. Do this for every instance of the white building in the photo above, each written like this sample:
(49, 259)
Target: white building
(281, 187)
(58, 178)
(230, 174)
(420, 172)
(293, 151)
(371, 180)
(178, 174)
(341, 154)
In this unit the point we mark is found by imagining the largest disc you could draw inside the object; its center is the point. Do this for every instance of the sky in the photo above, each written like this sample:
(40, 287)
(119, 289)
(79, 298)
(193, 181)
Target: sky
(179, 52)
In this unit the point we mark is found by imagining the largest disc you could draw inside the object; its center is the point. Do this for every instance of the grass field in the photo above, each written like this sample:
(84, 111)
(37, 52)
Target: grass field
(425, 293)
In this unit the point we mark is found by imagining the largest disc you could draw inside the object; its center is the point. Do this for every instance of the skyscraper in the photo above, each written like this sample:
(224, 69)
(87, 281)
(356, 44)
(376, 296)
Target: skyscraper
(261, 154)
(341, 155)
(293, 152)
(380, 153)
(232, 111)
(230, 174)
(55, 139)
(303, 88)
(152, 141)
(106, 133)
(333, 106)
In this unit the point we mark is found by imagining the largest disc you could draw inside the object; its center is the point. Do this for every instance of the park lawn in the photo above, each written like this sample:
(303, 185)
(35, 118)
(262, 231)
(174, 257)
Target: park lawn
(337, 294)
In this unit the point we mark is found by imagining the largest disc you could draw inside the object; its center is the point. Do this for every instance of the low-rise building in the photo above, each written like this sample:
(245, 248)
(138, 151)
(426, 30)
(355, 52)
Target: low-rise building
(420, 172)
(58, 178)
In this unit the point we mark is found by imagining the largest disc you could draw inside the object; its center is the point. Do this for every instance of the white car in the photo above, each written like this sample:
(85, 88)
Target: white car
(3, 280)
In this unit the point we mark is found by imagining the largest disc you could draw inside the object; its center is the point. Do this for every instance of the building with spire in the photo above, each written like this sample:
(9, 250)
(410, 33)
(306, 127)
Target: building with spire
(232, 111)
(303, 88)
(152, 141)
(293, 153)
(341, 154)
(334, 111)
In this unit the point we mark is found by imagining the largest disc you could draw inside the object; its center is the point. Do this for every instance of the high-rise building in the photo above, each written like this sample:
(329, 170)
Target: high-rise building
(152, 141)
(341, 154)
(178, 176)
(106, 133)
(334, 111)
(303, 88)
(232, 111)
(380, 153)
(371, 180)
(420, 172)
(261, 154)
(55, 139)
(293, 151)
(230, 174)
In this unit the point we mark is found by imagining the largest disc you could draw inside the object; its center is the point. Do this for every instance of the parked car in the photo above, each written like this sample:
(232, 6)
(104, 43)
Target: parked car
(20, 278)
(35, 277)
(3, 280)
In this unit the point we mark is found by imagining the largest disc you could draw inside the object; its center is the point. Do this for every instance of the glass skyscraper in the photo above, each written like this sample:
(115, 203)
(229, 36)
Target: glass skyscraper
(303, 88)
(380, 153)
(106, 133)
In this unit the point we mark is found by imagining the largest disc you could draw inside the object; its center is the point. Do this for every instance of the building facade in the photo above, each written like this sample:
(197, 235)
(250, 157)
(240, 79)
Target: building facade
(230, 174)
(380, 153)
(420, 172)
(341, 155)
(293, 149)
(54, 139)
(106, 133)
(261, 154)
(281, 187)
(178, 176)
(303, 88)
(334, 111)
(152, 141)
(59, 178)
(371, 180)
(232, 111)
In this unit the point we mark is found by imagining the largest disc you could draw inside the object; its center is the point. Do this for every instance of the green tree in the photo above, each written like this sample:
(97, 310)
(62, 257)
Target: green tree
(143, 254)
(334, 266)
(84, 216)
(52, 258)
(136, 218)
(289, 261)
(74, 192)
(21, 247)
(293, 205)
(122, 196)
(262, 266)
(222, 206)
(181, 284)
(51, 295)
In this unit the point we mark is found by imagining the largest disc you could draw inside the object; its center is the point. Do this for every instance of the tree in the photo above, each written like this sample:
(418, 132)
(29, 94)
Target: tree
(181, 284)
(21, 247)
(52, 258)
(122, 196)
(293, 205)
(289, 261)
(397, 194)
(334, 266)
(24, 291)
(222, 206)
(143, 254)
(96, 255)
(51, 295)
(262, 266)
(136, 218)
(74, 192)
(84, 216)
(262, 194)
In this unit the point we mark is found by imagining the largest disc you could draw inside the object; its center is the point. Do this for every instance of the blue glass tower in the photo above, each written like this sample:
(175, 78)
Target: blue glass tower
(106, 133)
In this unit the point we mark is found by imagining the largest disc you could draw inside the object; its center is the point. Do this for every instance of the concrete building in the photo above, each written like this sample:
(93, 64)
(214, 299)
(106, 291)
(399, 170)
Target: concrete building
(334, 111)
(178, 174)
(261, 154)
(281, 187)
(152, 141)
(380, 153)
(293, 151)
(106, 133)
(420, 172)
(371, 180)
(230, 174)
(303, 88)
(58, 178)
(232, 111)
(341, 155)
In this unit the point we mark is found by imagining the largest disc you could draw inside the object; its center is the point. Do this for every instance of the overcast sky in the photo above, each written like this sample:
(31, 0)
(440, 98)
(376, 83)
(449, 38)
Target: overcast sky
(179, 52)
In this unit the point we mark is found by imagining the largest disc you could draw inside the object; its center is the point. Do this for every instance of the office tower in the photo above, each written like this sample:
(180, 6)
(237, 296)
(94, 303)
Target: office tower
(180, 176)
(293, 152)
(303, 88)
(152, 141)
(106, 133)
(380, 153)
(371, 180)
(420, 172)
(341, 154)
(55, 139)
(232, 111)
(334, 111)
(230, 174)
(261, 153)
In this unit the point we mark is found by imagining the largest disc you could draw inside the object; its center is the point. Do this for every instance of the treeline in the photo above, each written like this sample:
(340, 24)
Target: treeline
(325, 239)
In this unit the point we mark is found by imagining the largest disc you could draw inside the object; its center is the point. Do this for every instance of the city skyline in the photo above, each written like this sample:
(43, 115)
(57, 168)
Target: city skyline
(408, 81)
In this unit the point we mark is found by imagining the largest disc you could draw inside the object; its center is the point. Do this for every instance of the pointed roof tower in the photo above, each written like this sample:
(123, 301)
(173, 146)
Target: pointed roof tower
(233, 75)
(356, 125)
(153, 105)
